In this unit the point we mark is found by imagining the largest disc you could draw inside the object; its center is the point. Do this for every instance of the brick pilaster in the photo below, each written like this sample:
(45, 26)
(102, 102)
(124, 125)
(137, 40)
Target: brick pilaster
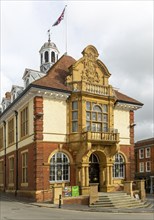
(38, 118)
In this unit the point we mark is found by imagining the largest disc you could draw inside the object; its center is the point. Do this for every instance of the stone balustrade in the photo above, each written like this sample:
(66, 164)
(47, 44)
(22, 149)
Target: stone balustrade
(101, 136)
(97, 89)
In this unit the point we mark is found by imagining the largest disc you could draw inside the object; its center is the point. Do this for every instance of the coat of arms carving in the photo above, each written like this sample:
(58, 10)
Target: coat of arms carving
(89, 72)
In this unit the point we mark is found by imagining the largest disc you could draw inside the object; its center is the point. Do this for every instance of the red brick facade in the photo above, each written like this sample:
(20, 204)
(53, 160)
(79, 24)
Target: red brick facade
(144, 173)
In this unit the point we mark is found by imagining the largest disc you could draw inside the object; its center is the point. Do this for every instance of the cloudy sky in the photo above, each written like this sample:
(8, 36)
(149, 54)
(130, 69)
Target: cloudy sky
(122, 32)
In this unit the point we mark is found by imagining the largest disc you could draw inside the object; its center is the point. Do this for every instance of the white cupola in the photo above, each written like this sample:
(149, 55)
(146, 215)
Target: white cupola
(48, 55)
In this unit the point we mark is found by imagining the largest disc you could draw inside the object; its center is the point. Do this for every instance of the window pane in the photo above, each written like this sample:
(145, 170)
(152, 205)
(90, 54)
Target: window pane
(105, 118)
(74, 126)
(99, 127)
(105, 108)
(119, 166)
(99, 116)
(88, 125)
(88, 116)
(93, 127)
(74, 105)
(74, 115)
(46, 56)
(105, 127)
(94, 116)
(59, 172)
(88, 105)
(97, 108)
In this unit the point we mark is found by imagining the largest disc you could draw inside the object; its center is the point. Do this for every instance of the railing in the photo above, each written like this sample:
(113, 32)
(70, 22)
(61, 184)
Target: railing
(97, 89)
(92, 88)
(101, 136)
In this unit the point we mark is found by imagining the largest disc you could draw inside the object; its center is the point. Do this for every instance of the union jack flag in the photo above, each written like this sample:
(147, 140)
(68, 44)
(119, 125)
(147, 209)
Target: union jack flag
(60, 18)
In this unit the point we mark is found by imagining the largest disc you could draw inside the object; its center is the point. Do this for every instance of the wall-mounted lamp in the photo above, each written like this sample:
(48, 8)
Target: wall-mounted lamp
(38, 115)
(132, 125)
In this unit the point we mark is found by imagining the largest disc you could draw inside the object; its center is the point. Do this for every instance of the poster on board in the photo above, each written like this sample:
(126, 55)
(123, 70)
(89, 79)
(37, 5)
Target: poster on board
(67, 191)
(75, 191)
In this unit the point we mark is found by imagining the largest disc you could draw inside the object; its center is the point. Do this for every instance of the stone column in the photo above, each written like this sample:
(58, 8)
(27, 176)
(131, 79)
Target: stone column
(107, 175)
(82, 176)
(111, 175)
(84, 180)
(87, 175)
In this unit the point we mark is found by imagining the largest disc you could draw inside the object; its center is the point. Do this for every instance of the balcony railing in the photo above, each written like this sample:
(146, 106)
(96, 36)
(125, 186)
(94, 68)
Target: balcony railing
(101, 136)
(97, 89)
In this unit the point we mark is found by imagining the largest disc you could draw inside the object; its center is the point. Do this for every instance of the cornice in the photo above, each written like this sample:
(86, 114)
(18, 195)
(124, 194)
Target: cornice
(29, 94)
(126, 106)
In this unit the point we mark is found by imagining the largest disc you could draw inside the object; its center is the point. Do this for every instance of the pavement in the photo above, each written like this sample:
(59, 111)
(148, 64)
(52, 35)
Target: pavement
(86, 208)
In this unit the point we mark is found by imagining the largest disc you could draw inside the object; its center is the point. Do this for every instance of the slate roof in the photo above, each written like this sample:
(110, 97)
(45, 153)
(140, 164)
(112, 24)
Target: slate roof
(57, 74)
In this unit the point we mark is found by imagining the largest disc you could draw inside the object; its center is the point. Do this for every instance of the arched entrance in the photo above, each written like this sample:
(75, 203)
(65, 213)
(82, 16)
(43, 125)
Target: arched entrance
(94, 169)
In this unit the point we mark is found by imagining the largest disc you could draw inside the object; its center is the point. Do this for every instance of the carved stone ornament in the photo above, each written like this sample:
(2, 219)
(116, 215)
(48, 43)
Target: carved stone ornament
(89, 72)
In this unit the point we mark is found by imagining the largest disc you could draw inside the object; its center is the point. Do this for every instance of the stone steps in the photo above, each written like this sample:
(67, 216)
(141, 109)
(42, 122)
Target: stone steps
(119, 200)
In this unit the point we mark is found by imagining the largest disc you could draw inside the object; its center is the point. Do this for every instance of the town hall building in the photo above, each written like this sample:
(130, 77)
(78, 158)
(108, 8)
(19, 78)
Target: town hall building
(67, 126)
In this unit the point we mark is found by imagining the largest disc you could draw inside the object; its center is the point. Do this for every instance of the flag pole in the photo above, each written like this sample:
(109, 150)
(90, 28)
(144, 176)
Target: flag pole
(66, 31)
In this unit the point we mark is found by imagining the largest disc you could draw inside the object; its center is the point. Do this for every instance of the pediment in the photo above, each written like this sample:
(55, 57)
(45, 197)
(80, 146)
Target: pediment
(89, 68)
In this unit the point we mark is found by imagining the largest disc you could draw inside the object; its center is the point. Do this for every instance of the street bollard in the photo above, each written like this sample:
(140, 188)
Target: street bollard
(59, 201)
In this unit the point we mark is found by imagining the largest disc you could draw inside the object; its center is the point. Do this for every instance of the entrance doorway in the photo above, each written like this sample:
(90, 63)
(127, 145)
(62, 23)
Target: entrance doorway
(93, 169)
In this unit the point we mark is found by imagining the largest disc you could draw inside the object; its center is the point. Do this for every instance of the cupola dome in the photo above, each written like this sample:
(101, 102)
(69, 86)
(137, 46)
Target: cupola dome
(48, 55)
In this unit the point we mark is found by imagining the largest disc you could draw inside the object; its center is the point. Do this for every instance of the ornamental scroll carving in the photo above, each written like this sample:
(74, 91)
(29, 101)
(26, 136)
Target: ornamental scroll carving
(89, 72)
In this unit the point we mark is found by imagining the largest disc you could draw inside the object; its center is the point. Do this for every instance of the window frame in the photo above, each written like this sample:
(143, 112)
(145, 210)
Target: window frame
(53, 175)
(11, 169)
(53, 57)
(141, 167)
(11, 131)
(24, 162)
(46, 56)
(147, 154)
(148, 166)
(74, 119)
(141, 153)
(119, 166)
(1, 138)
(24, 122)
(95, 114)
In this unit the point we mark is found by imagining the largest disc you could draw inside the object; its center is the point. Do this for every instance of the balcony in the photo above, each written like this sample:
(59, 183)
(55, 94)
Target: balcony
(97, 89)
(105, 90)
(105, 137)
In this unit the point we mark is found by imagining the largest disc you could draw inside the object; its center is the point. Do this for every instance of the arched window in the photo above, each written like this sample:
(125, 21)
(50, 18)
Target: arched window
(46, 56)
(41, 58)
(96, 117)
(59, 168)
(119, 166)
(52, 57)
